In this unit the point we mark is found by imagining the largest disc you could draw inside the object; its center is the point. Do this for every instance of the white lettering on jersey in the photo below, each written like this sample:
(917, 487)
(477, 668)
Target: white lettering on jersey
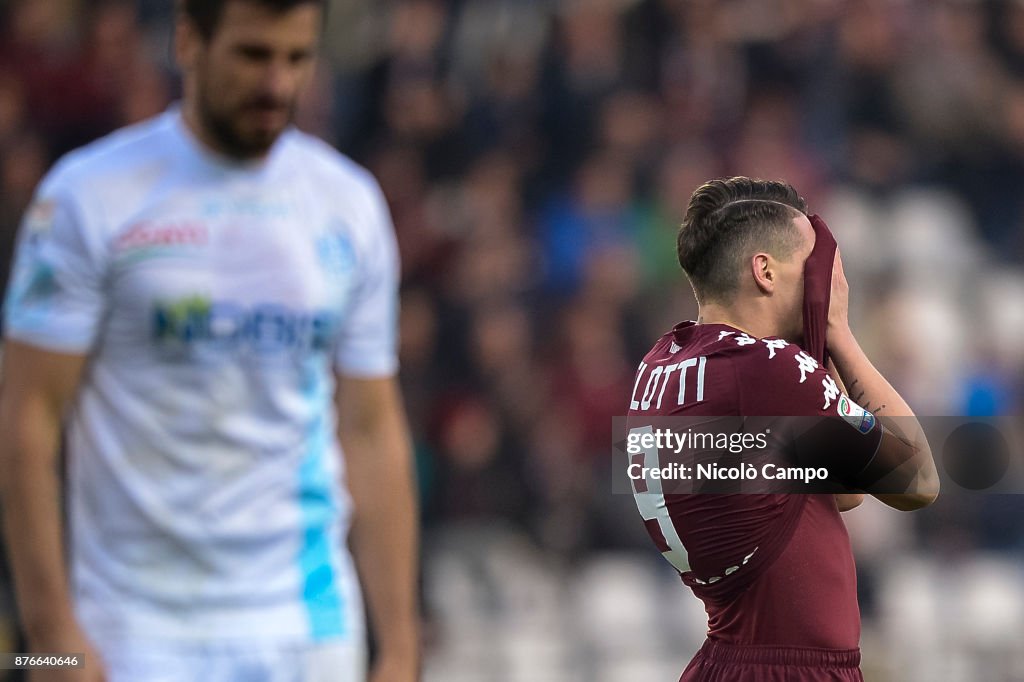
(700, 378)
(633, 403)
(774, 345)
(700, 363)
(664, 384)
(745, 340)
(658, 380)
(650, 501)
(831, 390)
(683, 366)
(652, 387)
(806, 364)
(722, 335)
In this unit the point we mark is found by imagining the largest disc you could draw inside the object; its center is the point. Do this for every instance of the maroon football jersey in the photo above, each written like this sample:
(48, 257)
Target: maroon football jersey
(771, 569)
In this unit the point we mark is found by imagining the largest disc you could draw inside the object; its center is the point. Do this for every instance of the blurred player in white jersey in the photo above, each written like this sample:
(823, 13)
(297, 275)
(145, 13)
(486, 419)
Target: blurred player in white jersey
(203, 307)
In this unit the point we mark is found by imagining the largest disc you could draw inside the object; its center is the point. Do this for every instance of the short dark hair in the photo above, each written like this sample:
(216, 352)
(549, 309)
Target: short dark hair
(206, 14)
(728, 220)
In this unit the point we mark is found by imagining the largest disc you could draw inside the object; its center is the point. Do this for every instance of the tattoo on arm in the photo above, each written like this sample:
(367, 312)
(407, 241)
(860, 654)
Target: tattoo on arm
(856, 397)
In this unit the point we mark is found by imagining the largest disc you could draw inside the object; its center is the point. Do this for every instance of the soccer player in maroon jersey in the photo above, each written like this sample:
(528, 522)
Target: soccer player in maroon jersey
(775, 571)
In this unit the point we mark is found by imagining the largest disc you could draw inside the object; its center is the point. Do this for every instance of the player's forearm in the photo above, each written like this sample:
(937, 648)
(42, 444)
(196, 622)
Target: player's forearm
(383, 542)
(33, 522)
(867, 387)
(864, 383)
(384, 536)
(844, 501)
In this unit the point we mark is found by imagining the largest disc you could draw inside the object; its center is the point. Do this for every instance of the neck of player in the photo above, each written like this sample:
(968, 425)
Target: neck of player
(753, 322)
(190, 113)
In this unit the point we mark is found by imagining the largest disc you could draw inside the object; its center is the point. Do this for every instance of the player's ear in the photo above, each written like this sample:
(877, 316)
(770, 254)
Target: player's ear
(763, 273)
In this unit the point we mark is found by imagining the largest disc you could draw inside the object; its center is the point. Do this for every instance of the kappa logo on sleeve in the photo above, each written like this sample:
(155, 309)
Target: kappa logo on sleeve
(831, 390)
(806, 363)
(855, 415)
(774, 345)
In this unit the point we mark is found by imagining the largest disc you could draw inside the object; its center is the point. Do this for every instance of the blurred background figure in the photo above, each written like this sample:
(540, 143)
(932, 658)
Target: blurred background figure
(536, 156)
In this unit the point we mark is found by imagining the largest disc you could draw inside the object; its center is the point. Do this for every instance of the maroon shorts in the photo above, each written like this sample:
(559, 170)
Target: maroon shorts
(717, 662)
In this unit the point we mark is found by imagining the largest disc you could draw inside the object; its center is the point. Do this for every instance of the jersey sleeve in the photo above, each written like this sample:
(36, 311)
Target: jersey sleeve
(826, 428)
(55, 295)
(368, 341)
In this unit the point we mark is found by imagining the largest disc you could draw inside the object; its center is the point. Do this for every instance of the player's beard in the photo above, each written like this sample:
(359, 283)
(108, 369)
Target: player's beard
(225, 126)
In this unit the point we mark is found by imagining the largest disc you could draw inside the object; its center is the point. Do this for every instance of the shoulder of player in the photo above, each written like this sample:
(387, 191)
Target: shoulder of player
(776, 376)
(727, 344)
(98, 183)
(112, 154)
(660, 351)
(350, 192)
(332, 166)
(769, 356)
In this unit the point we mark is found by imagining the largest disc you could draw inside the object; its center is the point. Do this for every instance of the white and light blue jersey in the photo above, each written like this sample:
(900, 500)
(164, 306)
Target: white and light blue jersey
(215, 301)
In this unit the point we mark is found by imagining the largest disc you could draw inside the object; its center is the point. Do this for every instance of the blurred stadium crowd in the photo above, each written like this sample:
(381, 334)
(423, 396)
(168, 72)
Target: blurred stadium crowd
(537, 156)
